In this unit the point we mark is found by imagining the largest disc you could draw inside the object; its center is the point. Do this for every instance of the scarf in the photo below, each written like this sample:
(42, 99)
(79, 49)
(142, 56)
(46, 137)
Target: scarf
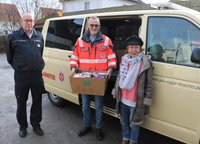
(129, 70)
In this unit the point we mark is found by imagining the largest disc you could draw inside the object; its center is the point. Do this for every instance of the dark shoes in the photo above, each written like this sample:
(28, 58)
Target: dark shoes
(38, 131)
(132, 142)
(22, 133)
(99, 134)
(127, 142)
(84, 131)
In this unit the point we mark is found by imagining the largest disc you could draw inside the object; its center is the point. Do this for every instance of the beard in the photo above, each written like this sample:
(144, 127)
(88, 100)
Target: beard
(94, 32)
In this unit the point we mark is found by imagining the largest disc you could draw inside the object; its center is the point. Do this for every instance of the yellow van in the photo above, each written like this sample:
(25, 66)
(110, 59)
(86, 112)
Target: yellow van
(170, 37)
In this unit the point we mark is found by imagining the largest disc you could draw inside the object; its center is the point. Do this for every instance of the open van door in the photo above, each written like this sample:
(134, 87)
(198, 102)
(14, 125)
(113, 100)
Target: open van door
(60, 36)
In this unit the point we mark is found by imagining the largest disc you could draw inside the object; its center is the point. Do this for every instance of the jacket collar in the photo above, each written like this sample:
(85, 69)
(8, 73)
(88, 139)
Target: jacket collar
(86, 37)
(146, 64)
(22, 32)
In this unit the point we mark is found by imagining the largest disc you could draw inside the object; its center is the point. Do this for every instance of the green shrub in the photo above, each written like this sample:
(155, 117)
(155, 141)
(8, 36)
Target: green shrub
(3, 41)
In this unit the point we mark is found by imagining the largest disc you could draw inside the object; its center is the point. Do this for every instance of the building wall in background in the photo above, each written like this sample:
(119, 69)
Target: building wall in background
(79, 5)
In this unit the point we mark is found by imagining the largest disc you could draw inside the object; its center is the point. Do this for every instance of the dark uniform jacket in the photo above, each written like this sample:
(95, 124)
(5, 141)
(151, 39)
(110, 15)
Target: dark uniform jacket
(24, 53)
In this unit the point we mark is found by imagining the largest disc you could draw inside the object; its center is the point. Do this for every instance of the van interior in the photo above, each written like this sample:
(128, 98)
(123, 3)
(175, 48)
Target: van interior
(118, 29)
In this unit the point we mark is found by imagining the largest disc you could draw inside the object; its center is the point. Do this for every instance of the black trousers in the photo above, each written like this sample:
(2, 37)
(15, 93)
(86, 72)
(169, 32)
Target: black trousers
(25, 81)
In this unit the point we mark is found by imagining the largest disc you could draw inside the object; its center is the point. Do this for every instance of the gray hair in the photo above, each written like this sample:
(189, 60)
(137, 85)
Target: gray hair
(94, 18)
(27, 14)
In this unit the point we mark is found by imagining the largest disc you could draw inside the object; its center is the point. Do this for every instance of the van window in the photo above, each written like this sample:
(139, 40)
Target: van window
(172, 40)
(62, 34)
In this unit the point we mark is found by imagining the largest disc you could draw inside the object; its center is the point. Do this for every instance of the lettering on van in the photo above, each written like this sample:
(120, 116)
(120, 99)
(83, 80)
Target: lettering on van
(178, 83)
(49, 75)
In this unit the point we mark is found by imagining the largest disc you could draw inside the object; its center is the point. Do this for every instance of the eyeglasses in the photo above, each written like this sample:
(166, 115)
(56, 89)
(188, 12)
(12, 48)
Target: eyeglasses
(94, 25)
(28, 20)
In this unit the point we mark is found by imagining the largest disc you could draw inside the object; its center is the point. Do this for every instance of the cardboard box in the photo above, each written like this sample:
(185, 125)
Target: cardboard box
(89, 86)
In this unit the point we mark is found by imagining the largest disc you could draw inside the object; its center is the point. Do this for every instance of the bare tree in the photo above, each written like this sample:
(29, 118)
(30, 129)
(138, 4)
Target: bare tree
(33, 6)
(10, 12)
(10, 18)
(14, 19)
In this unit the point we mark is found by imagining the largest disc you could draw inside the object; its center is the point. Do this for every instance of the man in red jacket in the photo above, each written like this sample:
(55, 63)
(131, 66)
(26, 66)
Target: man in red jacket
(93, 52)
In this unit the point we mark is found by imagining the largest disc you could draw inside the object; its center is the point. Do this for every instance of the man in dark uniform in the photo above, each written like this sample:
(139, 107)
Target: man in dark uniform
(24, 54)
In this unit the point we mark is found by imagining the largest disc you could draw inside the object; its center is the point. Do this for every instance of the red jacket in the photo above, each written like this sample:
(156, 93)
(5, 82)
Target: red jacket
(93, 56)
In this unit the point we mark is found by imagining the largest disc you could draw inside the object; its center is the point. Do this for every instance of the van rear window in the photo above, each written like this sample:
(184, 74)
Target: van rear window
(62, 34)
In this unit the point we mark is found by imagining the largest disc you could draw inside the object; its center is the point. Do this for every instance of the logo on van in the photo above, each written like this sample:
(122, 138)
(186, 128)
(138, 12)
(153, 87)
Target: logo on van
(61, 77)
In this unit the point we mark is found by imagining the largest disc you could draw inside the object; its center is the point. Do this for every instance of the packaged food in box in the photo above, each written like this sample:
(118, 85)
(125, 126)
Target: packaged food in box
(90, 83)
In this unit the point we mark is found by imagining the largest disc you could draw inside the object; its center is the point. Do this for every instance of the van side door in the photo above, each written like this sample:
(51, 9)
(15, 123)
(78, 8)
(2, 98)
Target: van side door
(117, 28)
(175, 111)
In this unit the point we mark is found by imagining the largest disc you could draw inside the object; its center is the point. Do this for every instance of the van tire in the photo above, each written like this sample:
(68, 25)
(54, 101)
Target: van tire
(56, 100)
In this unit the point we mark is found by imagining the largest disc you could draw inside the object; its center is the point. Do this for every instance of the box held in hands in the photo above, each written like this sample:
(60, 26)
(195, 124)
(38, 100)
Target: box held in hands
(89, 85)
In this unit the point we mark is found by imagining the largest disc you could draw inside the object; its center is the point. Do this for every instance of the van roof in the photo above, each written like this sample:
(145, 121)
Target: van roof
(113, 9)
(101, 10)
(138, 12)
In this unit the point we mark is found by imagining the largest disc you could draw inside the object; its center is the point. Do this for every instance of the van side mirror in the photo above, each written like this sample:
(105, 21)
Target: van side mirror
(195, 57)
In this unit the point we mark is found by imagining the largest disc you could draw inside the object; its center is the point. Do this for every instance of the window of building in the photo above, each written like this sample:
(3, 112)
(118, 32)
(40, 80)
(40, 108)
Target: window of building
(86, 5)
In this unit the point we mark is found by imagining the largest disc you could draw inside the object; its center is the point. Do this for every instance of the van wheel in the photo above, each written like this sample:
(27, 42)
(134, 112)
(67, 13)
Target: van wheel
(56, 100)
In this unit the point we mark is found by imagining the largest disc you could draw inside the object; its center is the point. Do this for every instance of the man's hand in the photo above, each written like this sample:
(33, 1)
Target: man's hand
(74, 70)
(109, 71)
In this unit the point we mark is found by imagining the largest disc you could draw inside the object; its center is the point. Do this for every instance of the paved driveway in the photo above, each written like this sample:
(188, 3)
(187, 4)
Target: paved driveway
(60, 124)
